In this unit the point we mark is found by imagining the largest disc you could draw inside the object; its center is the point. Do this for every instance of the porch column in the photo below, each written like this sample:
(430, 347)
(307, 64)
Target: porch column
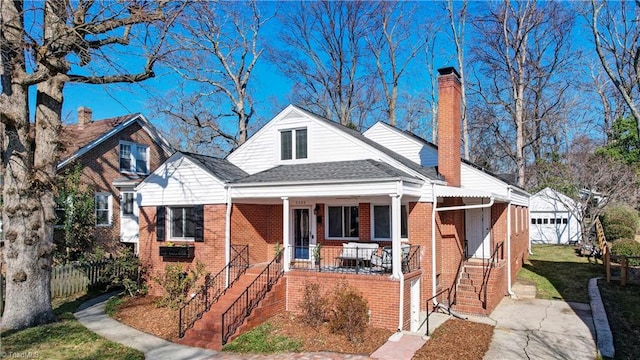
(395, 237)
(285, 233)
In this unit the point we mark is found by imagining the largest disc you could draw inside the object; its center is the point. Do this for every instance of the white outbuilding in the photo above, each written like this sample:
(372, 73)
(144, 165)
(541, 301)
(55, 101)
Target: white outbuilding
(554, 217)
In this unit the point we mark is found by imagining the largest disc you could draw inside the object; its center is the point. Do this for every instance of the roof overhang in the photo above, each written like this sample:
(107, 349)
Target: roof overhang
(450, 191)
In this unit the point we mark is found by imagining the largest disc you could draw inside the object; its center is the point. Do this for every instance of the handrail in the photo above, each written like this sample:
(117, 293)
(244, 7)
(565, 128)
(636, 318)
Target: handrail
(438, 305)
(241, 308)
(212, 289)
(487, 266)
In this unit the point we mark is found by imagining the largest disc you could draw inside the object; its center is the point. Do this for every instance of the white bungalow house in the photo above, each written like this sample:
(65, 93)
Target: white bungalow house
(555, 218)
(409, 224)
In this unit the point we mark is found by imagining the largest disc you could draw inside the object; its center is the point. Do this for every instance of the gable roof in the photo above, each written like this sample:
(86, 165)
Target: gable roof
(549, 199)
(77, 139)
(220, 168)
(502, 177)
(428, 172)
(328, 171)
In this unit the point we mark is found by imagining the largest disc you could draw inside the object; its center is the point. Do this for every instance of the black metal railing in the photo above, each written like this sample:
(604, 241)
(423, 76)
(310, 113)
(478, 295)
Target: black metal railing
(362, 260)
(213, 288)
(241, 308)
(487, 267)
(437, 305)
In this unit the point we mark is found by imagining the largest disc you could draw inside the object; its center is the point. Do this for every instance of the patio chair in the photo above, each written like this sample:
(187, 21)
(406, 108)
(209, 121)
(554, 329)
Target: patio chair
(383, 261)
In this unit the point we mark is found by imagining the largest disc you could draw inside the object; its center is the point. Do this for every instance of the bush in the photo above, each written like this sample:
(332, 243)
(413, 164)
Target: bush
(619, 222)
(126, 271)
(313, 305)
(177, 282)
(627, 247)
(350, 313)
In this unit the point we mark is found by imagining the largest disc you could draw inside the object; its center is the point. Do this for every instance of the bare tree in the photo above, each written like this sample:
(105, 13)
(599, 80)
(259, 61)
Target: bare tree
(457, 21)
(616, 35)
(521, 51)
(58, 45)
(323, 52)
(217, 49)
(393, 47)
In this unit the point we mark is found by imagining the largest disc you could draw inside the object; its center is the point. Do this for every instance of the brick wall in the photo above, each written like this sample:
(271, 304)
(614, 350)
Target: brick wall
(519, 242)
(211, 252)
(102, 167)
(259, 227)
(380, 292)
(420, 234)
(450, 236)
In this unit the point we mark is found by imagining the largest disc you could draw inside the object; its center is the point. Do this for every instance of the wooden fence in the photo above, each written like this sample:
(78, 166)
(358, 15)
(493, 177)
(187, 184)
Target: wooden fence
(72, 279)
(620, 268)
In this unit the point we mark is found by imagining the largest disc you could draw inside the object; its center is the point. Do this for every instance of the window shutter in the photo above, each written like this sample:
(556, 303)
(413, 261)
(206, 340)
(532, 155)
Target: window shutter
(160, 223)
(198, 219)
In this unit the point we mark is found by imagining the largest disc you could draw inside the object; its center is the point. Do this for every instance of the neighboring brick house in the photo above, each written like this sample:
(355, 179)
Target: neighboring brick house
(396, 216)
(115, 154)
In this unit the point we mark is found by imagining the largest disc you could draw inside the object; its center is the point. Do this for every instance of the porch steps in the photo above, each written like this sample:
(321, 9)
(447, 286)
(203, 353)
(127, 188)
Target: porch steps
(469, 287)
(207, 331)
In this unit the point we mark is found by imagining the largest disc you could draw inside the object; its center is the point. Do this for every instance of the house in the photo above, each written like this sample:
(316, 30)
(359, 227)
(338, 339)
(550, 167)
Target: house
(555, 218)
(115, 155)
(405, 222)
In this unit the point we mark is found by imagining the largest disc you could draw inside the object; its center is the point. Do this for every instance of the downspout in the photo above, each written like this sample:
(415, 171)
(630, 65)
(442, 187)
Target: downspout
(227, 235)
(396, 226)
(433, 243)
(509, 291)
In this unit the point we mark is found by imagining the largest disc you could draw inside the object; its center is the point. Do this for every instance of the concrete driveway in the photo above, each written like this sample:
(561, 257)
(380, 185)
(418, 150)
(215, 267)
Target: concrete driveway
(541, 329)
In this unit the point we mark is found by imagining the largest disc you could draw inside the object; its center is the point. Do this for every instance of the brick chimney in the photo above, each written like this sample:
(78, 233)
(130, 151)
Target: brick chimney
(449, 90)
(84, 115)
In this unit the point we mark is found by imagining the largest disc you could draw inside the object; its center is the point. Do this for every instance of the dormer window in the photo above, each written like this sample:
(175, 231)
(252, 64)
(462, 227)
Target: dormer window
(134, 158)
(293, 144)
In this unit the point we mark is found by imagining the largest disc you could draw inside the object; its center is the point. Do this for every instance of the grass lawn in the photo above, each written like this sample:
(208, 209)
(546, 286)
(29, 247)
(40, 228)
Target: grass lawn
(559, 273)
(622, 304)
(65, 339)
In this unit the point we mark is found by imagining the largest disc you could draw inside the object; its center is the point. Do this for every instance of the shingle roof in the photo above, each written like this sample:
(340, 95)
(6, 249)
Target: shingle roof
(327, 171)
(223, 169)
(74, 137)
(428, 172)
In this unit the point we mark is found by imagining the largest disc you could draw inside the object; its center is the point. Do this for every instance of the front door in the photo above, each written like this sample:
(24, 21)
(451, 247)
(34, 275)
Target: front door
(128, 217)
(301, 231)
(477, 232)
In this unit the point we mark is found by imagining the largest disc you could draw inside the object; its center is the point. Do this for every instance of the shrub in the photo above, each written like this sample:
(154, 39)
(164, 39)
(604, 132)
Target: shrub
(313, 305)
(627, 247)
(350, 313)
(619, 222)
(177, 282)
(126, 271)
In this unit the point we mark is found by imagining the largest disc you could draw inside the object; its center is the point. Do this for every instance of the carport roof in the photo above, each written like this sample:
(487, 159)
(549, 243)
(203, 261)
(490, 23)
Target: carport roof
(328, 171)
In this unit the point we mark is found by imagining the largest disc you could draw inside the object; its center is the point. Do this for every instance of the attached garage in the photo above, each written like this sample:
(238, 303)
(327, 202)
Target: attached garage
(554, 218)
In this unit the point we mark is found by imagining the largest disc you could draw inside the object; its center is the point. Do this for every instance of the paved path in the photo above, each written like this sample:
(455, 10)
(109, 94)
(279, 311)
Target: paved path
(541, 329)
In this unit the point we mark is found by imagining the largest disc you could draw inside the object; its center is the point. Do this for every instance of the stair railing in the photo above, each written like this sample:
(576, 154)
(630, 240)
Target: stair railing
(212, 289)
(241, 308)
(487, 266)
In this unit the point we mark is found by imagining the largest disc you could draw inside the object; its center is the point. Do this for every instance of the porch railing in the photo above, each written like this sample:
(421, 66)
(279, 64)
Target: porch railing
(359, 260)
(213, 288)
(241, 308)
(487, 267)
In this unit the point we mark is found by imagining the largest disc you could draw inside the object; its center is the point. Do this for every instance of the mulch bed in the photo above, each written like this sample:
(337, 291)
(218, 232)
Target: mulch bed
(457, 339)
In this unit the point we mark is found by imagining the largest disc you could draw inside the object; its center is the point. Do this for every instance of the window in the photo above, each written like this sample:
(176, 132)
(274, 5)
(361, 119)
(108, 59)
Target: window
(533, 221)
(127, 203)
(103, 209)
(343, 221)
(382, 222)
(545, 221)
(564, 220)
(134, 158)
(553, 221)
(293, 139)
(182, 224)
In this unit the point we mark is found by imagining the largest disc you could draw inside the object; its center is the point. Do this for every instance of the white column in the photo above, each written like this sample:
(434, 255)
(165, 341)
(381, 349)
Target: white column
(285, 233)
(395, 236)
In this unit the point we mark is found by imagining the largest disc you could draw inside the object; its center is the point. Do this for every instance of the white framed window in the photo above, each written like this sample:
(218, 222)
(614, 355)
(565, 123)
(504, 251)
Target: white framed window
(134, 158)
(126, 202)
(381, 222)
(182, 224)
(103, 209)
(343, 222)
(293, 144)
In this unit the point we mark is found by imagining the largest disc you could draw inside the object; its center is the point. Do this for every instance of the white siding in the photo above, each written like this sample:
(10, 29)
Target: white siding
(180, 182)
(473, 178)
(403, 144)
(324, 144)
(549, 204)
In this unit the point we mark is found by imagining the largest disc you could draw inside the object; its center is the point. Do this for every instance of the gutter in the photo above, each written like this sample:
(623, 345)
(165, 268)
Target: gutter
(509, 291)
(227, 234)
(325, 182)
(398, 254)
